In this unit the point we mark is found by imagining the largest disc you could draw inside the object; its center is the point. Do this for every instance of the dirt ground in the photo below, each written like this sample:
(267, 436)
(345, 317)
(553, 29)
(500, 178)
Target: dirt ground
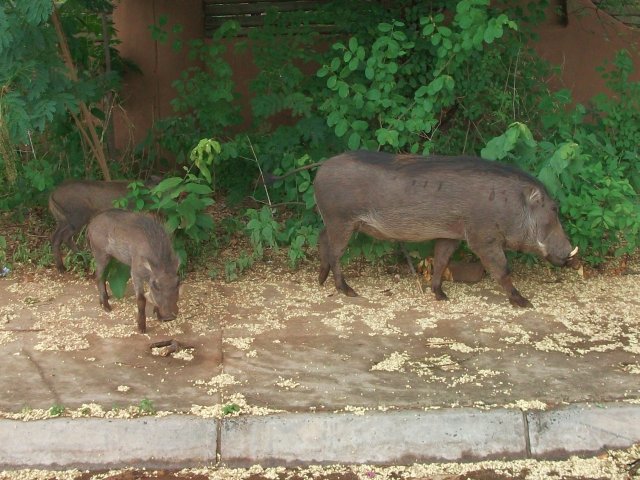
(276, 341)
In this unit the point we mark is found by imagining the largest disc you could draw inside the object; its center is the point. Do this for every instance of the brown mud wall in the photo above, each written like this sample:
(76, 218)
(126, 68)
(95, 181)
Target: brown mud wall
(587, 38)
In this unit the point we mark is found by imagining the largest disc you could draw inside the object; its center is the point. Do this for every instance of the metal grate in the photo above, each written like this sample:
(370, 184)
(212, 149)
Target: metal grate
(626, 11)
(249, 13)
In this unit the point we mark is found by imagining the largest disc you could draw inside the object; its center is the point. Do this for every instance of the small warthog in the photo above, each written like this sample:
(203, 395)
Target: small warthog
(138, 240)
(409, 198)
(73, 203)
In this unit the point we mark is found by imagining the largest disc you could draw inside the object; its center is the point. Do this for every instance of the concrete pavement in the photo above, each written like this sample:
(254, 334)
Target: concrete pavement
(278, 371)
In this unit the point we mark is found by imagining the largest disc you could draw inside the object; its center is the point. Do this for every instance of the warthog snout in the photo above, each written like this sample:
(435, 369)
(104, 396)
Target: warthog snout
(569, 260)
(572, 260)
(164, 316)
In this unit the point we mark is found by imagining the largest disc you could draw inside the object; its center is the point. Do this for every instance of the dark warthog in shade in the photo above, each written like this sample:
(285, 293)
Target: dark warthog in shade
(410, 198)
(139, 240)
(73, 203)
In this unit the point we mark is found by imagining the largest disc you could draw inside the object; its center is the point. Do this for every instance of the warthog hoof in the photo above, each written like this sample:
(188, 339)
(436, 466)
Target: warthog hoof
(440, 295)
(520, 301)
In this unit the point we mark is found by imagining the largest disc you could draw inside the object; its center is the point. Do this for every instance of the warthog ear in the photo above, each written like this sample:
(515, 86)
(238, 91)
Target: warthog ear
(533, 195)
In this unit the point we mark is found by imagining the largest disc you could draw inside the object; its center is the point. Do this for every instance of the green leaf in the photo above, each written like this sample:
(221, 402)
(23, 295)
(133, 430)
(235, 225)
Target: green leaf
(550, 180)
(117, 274)
(205, 222)
(421, 92)
(369, 73)
(359, 125)
(303, 186)
(435, 85)
(341, 127)
(373, 94)
(445, 31)
(386, 136)
(35, 11)
(343, 90)
(205, 172)
(309, 199)
(167, 184)
(334, 117)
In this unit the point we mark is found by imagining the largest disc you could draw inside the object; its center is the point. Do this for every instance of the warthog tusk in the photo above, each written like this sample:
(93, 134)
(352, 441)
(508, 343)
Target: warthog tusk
(573, 252)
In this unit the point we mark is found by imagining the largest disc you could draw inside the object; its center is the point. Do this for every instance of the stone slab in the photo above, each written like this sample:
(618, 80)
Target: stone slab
(583, 429)
(165, 442)
(373, 438)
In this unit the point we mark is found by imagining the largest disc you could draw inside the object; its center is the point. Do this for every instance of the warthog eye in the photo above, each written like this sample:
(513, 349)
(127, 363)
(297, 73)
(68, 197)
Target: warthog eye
(154, 285)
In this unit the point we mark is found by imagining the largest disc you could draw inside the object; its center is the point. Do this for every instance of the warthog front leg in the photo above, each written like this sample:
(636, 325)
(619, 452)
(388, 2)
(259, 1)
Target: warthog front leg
(495, 262)
(102, 259)
(141, 300)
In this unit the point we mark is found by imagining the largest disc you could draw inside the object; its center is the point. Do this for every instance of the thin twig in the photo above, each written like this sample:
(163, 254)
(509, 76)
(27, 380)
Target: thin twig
(33, 149)
(108, 123)
(19, 330)
(466, 138)
(255, 157)
(411, 267)
(515, 75)
(274, 205)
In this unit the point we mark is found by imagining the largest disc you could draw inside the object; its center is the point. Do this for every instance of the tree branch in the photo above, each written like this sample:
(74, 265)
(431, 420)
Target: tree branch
(88, 119)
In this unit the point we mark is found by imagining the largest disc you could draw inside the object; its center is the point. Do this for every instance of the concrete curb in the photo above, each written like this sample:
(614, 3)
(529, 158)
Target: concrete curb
(154, 442)
(583, 429)
(396, 437)
(376, 438)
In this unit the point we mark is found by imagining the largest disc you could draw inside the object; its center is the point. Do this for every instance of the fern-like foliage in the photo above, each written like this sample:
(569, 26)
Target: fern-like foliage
(35, 85)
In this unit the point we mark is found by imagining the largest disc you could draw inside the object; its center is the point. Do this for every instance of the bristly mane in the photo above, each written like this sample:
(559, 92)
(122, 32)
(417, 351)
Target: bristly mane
(464, 163)
(155, 230)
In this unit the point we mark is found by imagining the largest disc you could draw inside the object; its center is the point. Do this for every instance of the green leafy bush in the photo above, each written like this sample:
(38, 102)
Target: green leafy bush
(205, 102)
(38, 98)
(447, 76)
(262, 229)
(406, 87)
(589, 160)
(181, 202)
(405, 77)
(599, 205)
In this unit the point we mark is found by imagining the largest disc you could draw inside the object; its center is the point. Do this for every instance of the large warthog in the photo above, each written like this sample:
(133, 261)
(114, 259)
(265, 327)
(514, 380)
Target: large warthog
(139, 240)
(409, 198)
(73, 203)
